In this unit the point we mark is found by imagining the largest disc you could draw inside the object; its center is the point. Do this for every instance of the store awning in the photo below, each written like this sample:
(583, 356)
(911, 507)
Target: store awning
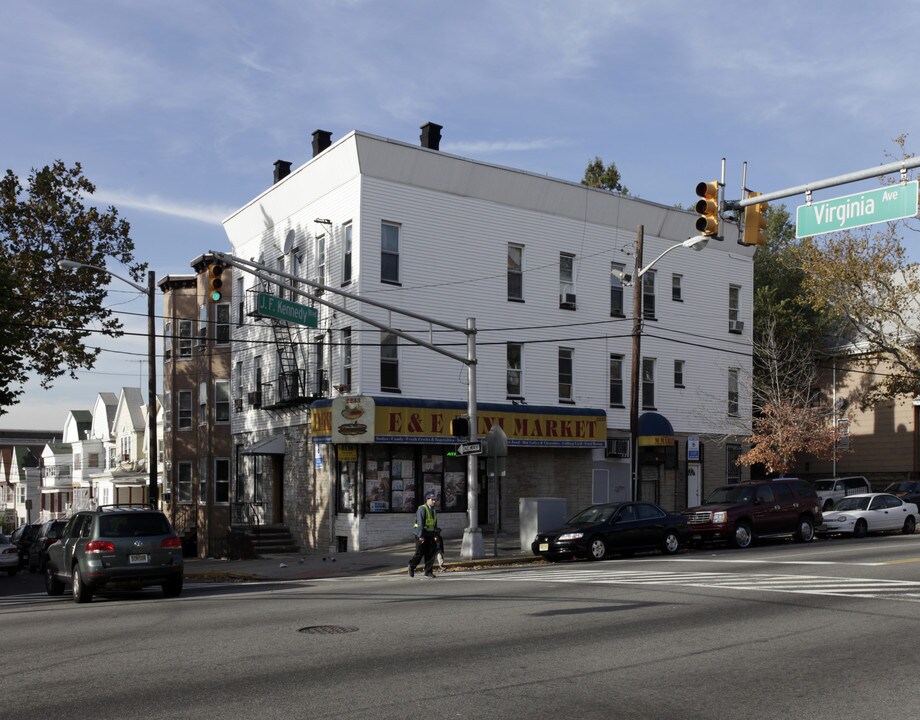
(273, 445)
(655, 430)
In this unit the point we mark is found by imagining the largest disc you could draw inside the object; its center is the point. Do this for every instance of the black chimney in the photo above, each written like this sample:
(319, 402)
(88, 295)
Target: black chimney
(431, 135)
(282, 169)
(321, 140)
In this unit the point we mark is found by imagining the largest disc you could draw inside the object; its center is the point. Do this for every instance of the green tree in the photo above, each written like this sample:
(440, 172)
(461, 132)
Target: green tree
(597, 175)
(46, 310)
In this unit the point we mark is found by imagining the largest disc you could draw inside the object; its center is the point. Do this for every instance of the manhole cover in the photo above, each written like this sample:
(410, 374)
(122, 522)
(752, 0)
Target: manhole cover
(327, 629)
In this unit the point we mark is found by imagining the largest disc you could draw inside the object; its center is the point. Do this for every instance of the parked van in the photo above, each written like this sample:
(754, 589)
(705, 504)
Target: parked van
(833, 489)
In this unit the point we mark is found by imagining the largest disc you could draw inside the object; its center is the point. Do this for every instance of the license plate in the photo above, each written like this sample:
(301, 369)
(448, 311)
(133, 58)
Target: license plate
(544, 547)
(139, 558)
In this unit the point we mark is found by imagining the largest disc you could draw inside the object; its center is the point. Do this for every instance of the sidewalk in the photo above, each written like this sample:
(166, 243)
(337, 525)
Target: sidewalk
(378, 561)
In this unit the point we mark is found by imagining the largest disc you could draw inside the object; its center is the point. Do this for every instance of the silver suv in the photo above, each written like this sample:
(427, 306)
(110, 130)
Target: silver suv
(834, 489)
(114, 545)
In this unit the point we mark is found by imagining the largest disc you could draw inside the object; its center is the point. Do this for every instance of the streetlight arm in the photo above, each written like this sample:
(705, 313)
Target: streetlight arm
(697, 242)
(73, 264)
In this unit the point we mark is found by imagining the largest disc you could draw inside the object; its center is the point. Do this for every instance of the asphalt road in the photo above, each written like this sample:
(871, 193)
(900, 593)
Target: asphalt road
(824, 631)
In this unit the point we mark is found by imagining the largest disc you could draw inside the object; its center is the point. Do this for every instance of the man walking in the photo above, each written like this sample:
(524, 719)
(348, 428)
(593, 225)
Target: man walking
(426, 534)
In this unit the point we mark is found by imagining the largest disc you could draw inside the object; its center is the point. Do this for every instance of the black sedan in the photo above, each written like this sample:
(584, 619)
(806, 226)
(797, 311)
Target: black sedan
(907, 490)
(614, 528)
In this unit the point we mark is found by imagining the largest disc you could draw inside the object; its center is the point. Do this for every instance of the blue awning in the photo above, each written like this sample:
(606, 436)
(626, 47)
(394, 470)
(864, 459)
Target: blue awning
(655, 430)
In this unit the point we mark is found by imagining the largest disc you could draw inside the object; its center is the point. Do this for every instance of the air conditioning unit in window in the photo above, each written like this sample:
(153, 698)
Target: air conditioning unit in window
(567, 300)
(617, 448)
(735, 326)
(255, 399)
(238, 405)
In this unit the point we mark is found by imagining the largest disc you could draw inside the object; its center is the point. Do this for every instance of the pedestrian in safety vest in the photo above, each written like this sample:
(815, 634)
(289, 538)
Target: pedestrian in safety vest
(426, 536)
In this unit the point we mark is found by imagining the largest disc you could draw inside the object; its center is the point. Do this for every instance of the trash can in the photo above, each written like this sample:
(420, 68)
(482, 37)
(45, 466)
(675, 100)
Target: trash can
(536, 514)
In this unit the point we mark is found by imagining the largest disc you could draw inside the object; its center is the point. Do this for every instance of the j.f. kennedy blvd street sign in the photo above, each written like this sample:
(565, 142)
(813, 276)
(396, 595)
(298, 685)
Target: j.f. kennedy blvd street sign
(280, 309)
(850, 211)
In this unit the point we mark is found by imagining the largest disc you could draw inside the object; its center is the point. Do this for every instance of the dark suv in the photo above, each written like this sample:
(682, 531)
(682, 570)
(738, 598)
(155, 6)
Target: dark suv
(739, 513)
(117, 546)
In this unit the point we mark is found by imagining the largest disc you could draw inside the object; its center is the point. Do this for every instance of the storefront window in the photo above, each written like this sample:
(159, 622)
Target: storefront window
(348, 483)
(377, 480)
(402, 477)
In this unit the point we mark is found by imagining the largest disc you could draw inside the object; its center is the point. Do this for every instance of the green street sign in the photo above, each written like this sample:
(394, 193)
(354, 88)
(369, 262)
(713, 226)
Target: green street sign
(280, 309)
(850, 211)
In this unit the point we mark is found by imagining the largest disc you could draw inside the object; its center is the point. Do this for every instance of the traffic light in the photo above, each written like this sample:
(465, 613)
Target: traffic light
(754, 222)
(460, 426)
(708, 208)
(215, 282)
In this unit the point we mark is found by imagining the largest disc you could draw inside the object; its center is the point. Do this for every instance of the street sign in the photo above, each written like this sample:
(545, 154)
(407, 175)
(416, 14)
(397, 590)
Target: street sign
(873, 206)
(473, 448)
(280, 309)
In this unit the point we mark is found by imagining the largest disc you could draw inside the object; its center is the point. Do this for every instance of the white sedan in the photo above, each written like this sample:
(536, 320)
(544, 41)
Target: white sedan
(9, 556)
(870, 512)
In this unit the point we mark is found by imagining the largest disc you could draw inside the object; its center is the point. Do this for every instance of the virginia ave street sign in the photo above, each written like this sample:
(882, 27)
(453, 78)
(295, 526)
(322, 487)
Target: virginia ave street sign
(280, 309)
(850, 211)
(473, 448)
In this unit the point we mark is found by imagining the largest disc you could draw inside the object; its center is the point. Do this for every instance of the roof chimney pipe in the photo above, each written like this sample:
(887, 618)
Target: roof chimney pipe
(282, 169)
(431, 135)
(321, 140)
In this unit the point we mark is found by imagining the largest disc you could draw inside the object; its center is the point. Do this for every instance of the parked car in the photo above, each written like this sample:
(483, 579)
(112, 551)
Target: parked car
(9, 556)
(22, 538)
(48, 533)
(907, 490)
(741, 512)
(115, 546)
(621, 528)
(858, 515)
(833, 489)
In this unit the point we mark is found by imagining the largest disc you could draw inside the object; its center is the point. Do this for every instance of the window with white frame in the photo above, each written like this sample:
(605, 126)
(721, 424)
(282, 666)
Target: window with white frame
(321, 375)
(167, 341)
(184, 482)
(240, 384)
(185, 338)
(221, 481)
(734, 308)
(222, 325)
(515, 271)
(678, 373)
(617, 270)
(389, 252)
(733, 391)
(648, 383)
(320, 261)
(389, 362)
(566, 374)
(677, 293)
(346, 358)
(202, 325)
(346, 253)
(257, 374)
(567, 280)
(616, 380)
(222, 401)
(648, 295)
(185, 409)
(202, 403)
(124, 444)
(514, 353)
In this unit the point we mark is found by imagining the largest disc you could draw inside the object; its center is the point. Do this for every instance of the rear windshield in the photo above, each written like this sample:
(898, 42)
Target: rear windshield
(731, 494)
(824, 485)
(133, 525)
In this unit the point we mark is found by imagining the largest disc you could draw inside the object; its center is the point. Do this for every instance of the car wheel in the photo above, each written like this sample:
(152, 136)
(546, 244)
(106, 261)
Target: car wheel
(910, 525)
(53, 586)
(806, 531)
(828, 504)
(743, 535)
(671, 543)
(860, 530)
(82, 593)
(173, 587)
(597, 548)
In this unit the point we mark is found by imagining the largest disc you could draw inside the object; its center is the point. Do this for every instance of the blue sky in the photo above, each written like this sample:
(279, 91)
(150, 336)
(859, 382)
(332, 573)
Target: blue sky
(177, 110)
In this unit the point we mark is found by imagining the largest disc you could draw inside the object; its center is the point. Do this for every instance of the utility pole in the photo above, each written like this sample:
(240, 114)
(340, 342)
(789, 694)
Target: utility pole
(634, 369)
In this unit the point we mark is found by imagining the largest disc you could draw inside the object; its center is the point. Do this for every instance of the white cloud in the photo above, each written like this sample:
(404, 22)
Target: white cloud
(210, 214)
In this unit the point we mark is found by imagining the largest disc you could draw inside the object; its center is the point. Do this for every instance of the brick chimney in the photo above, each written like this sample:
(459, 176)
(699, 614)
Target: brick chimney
(282, 169)
(321, 140)
(431, 135)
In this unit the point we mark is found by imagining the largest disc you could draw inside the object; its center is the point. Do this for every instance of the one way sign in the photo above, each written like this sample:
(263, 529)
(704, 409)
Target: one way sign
(473, 448)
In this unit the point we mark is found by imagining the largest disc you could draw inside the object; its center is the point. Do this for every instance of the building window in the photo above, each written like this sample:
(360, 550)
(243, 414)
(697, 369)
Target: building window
(567, 281)
(222, 401)
(514, 353)
(202, 403)
(167, 411)
(617, 270)
(389, 253)
(389, 362)
(734, 309)
(222, 327)
(221, 481)
(322, 380)
(616, 381)
(515, 272)
(185, 338)
(257, 374)
(240, 388)
(185, 482)
(648, 383)
(648, 295)
(733, 391)
(202, 480)
(566, 356)
(202, 325)
(346, 358)
(678, 373)
(320, 261)
(167, 341)
(676, 288)
(732, 469)
(185, 409)
(346, 254)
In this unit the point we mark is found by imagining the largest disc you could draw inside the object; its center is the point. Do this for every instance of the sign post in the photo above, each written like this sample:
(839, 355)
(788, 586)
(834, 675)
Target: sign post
(866, 208)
